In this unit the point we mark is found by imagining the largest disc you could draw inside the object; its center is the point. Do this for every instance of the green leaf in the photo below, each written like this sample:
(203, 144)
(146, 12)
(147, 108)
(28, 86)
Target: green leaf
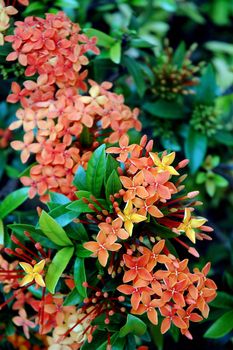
(58, 198)
(220, 181)
(115, 52)
(57, 266)
(136, 72)
(116, 343)
(79, 232)
(224, 137)
(195, 149)
(36, 234)
(220, 46)
(223, 300)
(179, 55)
(111, 164)
(13, 201)
(73, 298)
(156, 335)
(34, 8)
(80, 207)
(80, 276)
(62, 215)
(53, 230)
(210, 187)
(165, 109)
(71, 4)
(103, 39)
(1, 232)
(113, 185)
(96, 171)
(221, 327)
(80, 179)
(82, 252)
(206, 89)
(133, 325)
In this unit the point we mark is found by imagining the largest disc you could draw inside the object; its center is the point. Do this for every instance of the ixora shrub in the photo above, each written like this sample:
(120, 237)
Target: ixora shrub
(101, 266)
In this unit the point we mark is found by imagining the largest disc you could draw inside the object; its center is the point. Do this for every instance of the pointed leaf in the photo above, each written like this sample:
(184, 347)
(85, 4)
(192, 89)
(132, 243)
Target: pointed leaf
(53, 230)
(133, 325)
(80, 179)
(13, 201)
(96, 171)
(195, 149)
(57, 267)
(80, 276)
(221, 327)
(113, 185)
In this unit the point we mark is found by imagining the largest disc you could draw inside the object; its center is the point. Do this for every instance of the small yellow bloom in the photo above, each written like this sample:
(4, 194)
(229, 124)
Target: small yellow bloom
(33, 273)
(164, 163)
(130, 217)
(190, 224)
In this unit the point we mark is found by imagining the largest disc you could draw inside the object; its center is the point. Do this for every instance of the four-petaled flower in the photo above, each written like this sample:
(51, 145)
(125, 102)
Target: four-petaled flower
(130, 217)
(188, 225)
(101, 246)
(33, 273)
(164, 164)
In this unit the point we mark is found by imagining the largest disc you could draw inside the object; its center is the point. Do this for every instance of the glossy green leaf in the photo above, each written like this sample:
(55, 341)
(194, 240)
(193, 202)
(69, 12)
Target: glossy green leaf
(96, 171)
(73, 298)
(179, 55)
(80, 179)
(113, 185)
(206, 89)
(164, 109)
(136, 72)
(57, 267)
(13, 201)
(80, 276)
(133, 325)
(53, 230)
(221, 327)
(81, 252)
(103, 39)
(111, 164)
(223, 301)
(195, 149)
(115, 52)
(224, 137)
(80, 207)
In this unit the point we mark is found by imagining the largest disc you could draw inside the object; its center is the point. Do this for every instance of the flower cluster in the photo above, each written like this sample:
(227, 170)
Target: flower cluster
(5, 13)
(175, 76)
(54, 114)
(53, 46)
(147, 208)
(173, 290)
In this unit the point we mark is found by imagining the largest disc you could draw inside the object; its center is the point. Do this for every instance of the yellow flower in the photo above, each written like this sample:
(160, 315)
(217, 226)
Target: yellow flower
(33, 273)
(164, 163)
(130, 217)
(189, 224)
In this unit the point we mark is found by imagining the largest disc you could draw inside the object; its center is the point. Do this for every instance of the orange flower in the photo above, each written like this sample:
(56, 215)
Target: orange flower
(171, 316)
(134, 187)
(137, 268)
(114, 229)
(135, 291)
(123, 150)
(101, 246)
(27, 146)
(148, 306)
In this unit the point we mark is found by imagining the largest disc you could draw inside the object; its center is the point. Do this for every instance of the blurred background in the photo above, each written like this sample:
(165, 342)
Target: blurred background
(174, 60)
